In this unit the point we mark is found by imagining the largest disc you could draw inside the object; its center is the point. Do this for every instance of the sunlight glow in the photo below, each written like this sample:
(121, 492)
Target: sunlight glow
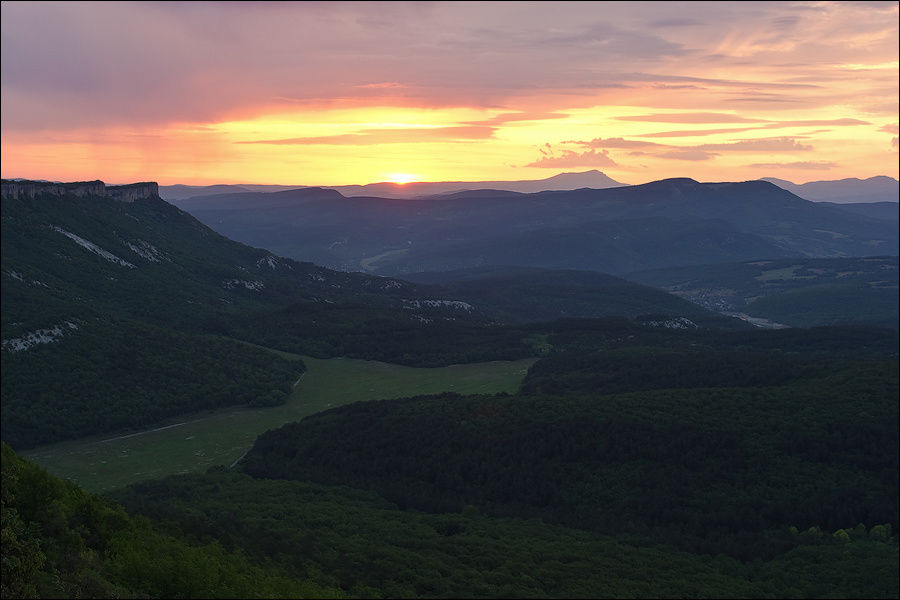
(402, 178)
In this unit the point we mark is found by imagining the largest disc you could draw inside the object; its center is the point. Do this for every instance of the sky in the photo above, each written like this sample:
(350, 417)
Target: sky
(322, 93)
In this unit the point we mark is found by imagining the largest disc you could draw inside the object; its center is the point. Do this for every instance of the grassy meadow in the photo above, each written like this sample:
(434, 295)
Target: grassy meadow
(202, 440)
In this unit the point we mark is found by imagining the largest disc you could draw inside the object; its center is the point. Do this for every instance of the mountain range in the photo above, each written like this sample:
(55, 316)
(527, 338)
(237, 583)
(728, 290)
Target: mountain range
(844, 191)
(672, 222)
(563, 181)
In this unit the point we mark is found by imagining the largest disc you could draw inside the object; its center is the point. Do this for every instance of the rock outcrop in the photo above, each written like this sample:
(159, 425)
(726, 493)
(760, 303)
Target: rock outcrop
(15, 188)
(133, 191)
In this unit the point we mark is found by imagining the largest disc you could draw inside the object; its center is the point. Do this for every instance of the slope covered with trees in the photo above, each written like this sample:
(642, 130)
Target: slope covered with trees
(704, 450)
(113, 315)
(61, 542)
(800, 292)
(122, 375)
(363, 544)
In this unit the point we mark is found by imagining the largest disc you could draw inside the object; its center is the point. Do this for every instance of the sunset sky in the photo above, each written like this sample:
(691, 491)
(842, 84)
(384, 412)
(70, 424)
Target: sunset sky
(319, 93)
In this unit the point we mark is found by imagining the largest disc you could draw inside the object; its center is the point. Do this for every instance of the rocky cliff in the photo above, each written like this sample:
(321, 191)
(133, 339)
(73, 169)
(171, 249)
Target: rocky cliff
(18, 188)
(133, 191)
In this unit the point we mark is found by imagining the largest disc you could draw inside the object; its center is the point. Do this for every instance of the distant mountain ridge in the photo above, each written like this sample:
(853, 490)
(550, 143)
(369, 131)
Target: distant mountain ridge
(851, 190)
(563, 181)
(885, 211)
(844, 191)
(617, 230)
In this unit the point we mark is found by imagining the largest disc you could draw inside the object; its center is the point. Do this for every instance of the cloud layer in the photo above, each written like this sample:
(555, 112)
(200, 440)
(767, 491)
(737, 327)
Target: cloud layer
(237, 84)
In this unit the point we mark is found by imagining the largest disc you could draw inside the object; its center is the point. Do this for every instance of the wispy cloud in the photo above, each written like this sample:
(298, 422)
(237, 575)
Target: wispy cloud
(691, 117)
(687, 155)
(762, 145)
(613, 143)
(781, 144)
(762, 124)
(803, 165)
(845, 122)
(369, 137)
(511, 117)
(695, 132)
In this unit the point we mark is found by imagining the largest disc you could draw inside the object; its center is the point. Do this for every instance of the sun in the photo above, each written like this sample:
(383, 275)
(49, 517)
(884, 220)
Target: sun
(401, 178)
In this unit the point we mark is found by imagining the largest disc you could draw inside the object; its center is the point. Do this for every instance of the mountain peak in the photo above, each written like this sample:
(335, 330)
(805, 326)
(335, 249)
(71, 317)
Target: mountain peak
(591, 178)
(678, 181)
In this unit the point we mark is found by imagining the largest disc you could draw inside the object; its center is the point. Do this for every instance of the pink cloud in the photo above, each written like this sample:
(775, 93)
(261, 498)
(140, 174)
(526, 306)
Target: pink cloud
(692, 117)
(696, 132)
(569, 158)
(816, 123)
(202, 62)
(782, 144)
(517, 117)
(701, 151)
(613, 143)
(687, 155)
(763, 124)
(369, 137)
(807, 165)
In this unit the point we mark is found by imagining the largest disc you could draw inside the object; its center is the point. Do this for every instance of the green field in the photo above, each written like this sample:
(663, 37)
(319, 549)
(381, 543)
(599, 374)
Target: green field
(202, 440)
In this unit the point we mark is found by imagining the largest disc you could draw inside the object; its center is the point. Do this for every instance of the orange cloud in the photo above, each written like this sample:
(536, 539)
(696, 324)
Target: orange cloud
(687, 155)
(809, 165)
(504, 118)
(368, 137)
(695, 132)
(691, 117)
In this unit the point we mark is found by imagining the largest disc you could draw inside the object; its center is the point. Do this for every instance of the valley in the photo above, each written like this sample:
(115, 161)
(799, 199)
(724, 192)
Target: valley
(268, 426)
(437, 300)
(219, 438)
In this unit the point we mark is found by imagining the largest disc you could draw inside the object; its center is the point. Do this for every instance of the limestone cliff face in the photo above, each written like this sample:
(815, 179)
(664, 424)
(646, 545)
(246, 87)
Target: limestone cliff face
(123, 193)
(30, 189)
(133, 191)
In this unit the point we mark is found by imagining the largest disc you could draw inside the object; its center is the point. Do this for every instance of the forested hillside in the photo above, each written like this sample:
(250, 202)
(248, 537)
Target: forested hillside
(225, 535)
(61, 542)
(630, 458)
(115, 375)
(708, 470)
(122, 309)
(529, 294)
(800, 292)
